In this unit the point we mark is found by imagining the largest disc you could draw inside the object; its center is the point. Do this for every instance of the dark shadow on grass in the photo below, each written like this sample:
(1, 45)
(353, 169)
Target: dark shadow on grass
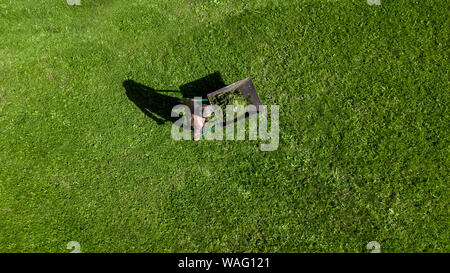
(151, 102)
(159, 106)
(202, 86)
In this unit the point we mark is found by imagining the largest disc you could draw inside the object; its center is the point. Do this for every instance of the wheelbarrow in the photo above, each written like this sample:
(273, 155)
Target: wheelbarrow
(243, 88)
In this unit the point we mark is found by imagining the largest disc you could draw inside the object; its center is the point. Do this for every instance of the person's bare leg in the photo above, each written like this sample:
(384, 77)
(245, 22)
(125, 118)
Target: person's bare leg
(199, 122)
(196, 121)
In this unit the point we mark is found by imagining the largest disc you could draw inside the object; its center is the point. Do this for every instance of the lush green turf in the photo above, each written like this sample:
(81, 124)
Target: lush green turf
(364, 125)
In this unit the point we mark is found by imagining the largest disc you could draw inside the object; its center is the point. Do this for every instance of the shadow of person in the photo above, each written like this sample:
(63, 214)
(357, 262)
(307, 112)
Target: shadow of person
(153, 104)
(159, 106)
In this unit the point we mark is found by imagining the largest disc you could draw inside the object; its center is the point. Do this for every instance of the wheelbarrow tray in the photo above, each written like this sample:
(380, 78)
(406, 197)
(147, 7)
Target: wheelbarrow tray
(247, 90)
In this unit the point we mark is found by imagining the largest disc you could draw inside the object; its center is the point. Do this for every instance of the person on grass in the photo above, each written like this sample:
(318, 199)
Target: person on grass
(198, 121)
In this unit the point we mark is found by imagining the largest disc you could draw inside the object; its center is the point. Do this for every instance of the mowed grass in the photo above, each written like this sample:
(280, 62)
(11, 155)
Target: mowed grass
(363, 93)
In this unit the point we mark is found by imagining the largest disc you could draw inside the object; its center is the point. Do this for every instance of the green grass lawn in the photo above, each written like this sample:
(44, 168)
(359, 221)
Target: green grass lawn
(363, 93)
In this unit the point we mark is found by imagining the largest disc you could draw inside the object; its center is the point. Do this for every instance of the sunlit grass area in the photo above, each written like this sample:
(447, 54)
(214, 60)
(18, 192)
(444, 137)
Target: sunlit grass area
(364, 125)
